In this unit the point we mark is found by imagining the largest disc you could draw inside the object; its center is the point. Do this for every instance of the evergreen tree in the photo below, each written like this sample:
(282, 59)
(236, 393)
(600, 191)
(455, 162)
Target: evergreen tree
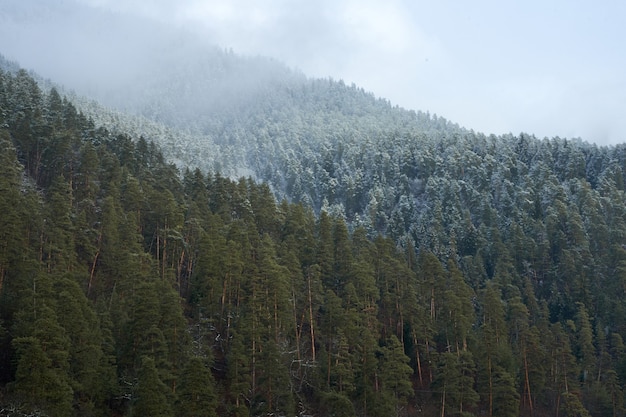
(505, 395)
(59, 245)
(458, 309)
(238, 376)
(11, 225)
(584, 342)
(196, 393)
(87, 377)
(495, 356)
(454, 382)
(42, 378)
(150, 394)
(39, 383)
(394, 373)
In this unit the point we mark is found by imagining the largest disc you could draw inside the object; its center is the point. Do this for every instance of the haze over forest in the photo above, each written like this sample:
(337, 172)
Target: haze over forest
(187, 231)
(496, 68)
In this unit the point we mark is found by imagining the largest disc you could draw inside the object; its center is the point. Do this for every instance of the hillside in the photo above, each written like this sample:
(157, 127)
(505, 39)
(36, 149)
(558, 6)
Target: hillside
(498, 290)
(201, 233)
(208, 108)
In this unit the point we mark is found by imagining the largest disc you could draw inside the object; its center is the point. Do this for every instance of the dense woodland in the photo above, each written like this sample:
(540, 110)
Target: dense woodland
(409, 269)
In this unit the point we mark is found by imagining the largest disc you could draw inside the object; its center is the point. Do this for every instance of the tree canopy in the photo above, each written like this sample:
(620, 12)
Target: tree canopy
(438, 271)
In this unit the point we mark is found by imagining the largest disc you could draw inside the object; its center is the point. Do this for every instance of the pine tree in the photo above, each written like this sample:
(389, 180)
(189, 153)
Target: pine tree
(85, 348)
(145, 335)
(196, 393)
(585, 348)
(12, 240)
(239, 375)
(454, 383)
(394, 372)
(494, 356)
(150, 396)
(43, 370)
(38, 382)
(59, 248)
(173, 327)
(458, 309)
(564, 372)
(273, 321)
(505, 395)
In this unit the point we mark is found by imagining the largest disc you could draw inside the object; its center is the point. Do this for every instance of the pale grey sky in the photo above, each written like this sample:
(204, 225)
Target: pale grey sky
(550, 67)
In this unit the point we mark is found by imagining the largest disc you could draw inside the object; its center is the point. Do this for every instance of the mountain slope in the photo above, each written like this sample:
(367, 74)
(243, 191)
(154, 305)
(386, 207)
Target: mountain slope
(218, 111)
(500, 281)
(507, 298)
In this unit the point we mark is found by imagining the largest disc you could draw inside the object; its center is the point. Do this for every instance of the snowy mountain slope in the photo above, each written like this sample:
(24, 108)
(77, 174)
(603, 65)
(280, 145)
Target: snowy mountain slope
(317, 141)
(207, 107)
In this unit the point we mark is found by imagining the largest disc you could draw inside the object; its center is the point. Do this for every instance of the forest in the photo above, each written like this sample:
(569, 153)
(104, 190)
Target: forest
(412, 268)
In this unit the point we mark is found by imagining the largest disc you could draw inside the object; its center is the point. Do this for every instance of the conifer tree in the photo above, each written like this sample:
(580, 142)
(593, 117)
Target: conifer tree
(59, 246)
(11, 225)
(146, 337)
(38, 382)
(564, 372)
(494, 359)
(196, 393)
(324, 256)
(505, 395)
(458, 309)
(85, 344)
(43, 367)
(394, 372)
(584, 343)
(150, 396)
(239, 375)
(173, 326)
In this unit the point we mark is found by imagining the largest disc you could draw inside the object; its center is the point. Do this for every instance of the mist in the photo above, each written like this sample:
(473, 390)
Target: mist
(494, 69)
(134, 64)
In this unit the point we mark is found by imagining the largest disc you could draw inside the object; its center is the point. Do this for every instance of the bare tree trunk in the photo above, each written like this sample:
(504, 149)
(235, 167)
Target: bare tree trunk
(297, 332)
(311, 330)
(179, 269)
(253, 360)
(430, 370)
(529, 396)
(164, 257)
(93, 264)
(432, 303)
(418, 360)
(490, 387)
(443, 401)
(92, 271)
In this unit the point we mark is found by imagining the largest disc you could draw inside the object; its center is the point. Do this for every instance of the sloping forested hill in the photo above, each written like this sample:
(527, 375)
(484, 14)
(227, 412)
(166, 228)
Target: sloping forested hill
(128, 287)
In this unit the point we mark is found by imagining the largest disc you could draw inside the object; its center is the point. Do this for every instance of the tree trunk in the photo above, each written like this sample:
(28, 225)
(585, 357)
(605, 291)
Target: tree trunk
(93, 264)
(443, 401)
(295, 320)
(311, 331)
(527, 383)
(490, 387)
(417, 359)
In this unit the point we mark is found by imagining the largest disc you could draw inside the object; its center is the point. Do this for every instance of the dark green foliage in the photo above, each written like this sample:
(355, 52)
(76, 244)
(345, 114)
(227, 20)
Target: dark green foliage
(150, 396)
(196, 393)
(332, 404)
(128, 289)
(394, 375)
(40, 380)
(454, 383)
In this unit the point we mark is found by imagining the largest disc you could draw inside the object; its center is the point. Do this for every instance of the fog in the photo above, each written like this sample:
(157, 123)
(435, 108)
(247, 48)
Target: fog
(495, 67)
(92, 52)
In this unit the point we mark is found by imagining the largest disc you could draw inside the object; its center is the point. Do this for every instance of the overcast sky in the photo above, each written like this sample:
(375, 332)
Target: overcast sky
(549, 67)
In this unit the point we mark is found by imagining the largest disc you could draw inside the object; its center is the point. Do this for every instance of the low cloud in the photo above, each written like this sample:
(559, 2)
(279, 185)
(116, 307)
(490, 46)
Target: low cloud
(494, 67)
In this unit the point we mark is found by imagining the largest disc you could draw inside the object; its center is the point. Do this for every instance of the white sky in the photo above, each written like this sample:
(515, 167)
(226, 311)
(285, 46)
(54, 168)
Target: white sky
(549, 67)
